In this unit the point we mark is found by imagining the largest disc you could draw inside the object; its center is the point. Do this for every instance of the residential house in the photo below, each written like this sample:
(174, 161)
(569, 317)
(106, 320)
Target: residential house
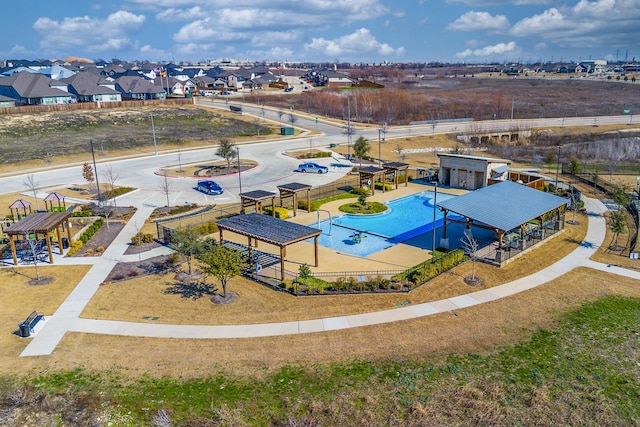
(89, 87)
(33, 89)
(6, 102)
(132, 87)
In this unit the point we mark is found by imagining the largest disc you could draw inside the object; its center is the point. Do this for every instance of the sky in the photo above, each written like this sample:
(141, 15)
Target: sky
(369, 31)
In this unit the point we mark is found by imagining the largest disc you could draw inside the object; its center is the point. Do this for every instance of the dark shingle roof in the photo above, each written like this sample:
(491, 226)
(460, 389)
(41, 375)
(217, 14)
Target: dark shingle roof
(505, 205)
(268, 229)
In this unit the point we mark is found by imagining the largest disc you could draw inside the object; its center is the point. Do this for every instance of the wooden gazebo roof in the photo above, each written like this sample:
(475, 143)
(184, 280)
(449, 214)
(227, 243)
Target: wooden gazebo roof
(41, 223)
(291, 190)
(270, 230)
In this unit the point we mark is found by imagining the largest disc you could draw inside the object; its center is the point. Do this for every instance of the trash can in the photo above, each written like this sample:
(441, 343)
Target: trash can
(25, 330)
(65, 243)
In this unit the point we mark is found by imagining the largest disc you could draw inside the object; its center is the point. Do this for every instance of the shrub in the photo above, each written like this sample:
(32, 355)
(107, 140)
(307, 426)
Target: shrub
(141, 238)
(207, 228)
(387, 186)
(174, 258)
(281, 213)
(100, 249)
(361, 191)
(88, 252)
(75, 247)
(433, 267)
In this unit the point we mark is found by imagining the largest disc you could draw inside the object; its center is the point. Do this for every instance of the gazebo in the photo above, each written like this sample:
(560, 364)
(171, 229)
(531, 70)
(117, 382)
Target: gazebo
(17, 205)
(55, 197)
(369, 174)
(39, 224)
(291, 190)
(270, 230)
(256, 198)
(395, 168)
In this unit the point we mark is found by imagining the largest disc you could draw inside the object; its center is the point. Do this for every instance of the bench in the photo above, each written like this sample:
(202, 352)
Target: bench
(26, 327)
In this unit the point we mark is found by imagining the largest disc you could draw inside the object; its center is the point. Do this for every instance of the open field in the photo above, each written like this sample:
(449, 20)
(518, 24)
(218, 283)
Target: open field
(44, 140)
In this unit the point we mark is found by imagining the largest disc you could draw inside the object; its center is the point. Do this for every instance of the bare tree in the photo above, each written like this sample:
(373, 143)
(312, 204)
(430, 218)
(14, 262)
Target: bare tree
(292, 119)
(110, 177)
(470, 247)
(33, 247)
(165, 187)
(31, 183)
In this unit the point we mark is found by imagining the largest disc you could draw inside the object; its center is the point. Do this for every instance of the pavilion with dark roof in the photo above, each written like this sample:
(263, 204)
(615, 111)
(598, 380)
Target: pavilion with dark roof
(513, 211)
(270, 230)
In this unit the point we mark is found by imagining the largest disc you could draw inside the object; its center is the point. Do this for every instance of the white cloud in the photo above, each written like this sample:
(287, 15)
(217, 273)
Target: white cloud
(173, 15)
(357, 44)
(94, 34)
(479, 21)
(498, 49)
(19, 50)
(505, 3)
(600, 23)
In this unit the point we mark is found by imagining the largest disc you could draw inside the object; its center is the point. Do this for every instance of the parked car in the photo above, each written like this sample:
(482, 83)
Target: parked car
(226, 92)
(289, 89)
(312, 168)
(209, 187)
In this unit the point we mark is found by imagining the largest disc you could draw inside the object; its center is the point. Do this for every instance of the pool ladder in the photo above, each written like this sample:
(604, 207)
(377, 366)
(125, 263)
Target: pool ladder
(330, 219)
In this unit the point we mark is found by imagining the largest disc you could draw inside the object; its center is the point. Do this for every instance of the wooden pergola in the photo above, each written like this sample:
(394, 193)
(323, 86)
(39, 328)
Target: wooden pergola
(39, 224)
(291, 190)
(369, 174)
(256, 198)
(277, 232)
(395, 168)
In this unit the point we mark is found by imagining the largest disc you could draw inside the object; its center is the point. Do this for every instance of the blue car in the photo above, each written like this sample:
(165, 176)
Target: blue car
(209, 187)
(312, 168)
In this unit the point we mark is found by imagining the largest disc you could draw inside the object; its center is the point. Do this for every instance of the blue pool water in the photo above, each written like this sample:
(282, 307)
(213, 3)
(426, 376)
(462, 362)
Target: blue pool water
(405, 219)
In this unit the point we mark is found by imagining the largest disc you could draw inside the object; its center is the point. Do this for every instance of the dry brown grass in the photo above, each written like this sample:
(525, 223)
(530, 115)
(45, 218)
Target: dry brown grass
(18, 299)
(476, 329)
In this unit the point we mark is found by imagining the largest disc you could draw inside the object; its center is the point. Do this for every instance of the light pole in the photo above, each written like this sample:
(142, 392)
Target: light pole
(95, 171)
(153, 130)
(379, 161)
(557, 169)
(239, 178)
(433, 228)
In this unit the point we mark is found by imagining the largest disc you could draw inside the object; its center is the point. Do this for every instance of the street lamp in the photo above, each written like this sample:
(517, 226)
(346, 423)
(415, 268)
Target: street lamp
(557, 169)
(95, 171)
(433, 227)
(379, 161)
(239, 174)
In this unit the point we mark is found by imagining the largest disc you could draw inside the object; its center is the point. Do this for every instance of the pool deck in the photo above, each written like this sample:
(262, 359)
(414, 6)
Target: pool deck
(398, 257)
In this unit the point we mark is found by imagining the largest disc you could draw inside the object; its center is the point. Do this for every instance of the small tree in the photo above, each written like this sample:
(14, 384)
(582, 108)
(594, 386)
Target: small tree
(87, 173)
(574, 167)
(186, 241)
(222, 263)
(617, 224)
(33, 247)
(595, 177)
(620, 194)
(470, 247)
(227, 150)
(361, 148)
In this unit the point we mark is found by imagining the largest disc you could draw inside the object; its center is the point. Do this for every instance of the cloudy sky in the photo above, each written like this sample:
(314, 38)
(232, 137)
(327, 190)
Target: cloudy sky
(323, 30)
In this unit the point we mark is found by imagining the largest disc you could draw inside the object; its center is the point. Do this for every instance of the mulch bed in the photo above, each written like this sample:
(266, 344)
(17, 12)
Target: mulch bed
(102, 238)
(130, 270)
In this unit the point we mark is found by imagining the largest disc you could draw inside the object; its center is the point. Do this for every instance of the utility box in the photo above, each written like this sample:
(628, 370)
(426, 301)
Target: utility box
(286, 131)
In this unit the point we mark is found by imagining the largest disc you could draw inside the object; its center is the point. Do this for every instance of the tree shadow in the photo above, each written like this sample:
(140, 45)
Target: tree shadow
(193, 290)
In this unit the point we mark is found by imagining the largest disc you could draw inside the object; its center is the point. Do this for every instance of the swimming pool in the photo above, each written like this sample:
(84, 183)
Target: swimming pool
(405, 219)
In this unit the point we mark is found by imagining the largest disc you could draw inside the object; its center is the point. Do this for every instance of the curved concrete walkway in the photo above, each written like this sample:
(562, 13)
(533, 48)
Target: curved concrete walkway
(67, 317)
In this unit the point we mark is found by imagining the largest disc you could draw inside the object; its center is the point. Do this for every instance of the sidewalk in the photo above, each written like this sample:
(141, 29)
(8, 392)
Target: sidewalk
(66, 319)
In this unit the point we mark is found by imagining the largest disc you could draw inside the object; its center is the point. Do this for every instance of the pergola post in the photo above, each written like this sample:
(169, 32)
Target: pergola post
(13, 249)
(295, 203)
(49, 249)
(249, 246)
(315, 250)
(308, 200)
(282, 254)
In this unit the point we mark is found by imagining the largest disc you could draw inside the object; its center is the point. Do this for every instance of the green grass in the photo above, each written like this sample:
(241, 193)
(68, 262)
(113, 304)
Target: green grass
(356, 208)
(587, 372)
